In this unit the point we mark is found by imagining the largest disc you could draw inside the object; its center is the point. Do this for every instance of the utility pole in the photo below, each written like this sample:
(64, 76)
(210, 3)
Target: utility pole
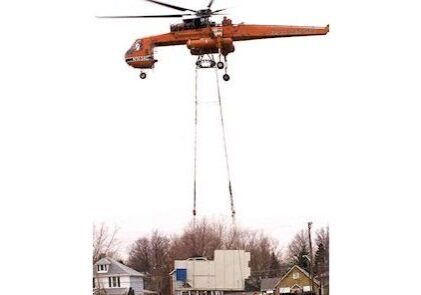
(311, 257)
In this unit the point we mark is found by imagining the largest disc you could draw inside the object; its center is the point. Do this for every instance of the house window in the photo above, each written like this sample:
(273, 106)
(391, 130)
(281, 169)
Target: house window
(114, 282)
(185, 293)
(94, 283)
(296, 275)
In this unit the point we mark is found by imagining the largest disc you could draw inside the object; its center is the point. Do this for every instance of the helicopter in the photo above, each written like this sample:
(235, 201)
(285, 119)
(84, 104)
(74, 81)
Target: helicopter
(204, 37)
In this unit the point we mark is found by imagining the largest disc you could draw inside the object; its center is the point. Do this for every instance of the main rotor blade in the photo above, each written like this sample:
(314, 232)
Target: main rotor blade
(219, 10)
(171, 6)
(144, 16)
(210, 3)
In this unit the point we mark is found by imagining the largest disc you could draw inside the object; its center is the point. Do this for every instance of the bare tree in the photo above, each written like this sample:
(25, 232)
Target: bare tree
(105, 242)
(159, 248)
(160, 262)
(198, 239)
(298, 250)
(151, 255)
(234, 238)
(261, 248)
(140, 255)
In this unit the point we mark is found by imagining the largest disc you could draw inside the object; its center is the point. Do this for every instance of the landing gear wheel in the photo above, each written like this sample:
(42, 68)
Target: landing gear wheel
(220, 65)
(226, 77)
(142, 75)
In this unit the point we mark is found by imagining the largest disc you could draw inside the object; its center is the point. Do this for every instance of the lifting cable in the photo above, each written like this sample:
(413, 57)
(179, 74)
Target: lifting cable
(196, 121)
(221, 114)
(195, 149)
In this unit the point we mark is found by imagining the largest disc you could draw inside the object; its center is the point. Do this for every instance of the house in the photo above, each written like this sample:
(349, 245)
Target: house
(297, 281)
(111, 277)
(268, 285)
(200, 276)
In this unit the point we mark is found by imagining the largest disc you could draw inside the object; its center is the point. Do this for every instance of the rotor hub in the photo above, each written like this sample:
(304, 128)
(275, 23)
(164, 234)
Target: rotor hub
(204, 13)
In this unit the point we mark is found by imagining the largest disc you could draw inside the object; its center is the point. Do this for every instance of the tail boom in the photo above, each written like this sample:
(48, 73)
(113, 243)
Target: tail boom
(252, 32)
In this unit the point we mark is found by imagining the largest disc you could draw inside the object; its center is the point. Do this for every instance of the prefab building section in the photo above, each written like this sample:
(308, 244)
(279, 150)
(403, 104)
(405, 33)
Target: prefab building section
(227, 272)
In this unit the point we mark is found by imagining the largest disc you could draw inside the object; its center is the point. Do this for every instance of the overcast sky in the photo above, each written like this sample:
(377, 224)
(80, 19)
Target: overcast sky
(323, 128)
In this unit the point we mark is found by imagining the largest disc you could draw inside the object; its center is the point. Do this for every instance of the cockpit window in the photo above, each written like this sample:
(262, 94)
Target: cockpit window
(138, 45)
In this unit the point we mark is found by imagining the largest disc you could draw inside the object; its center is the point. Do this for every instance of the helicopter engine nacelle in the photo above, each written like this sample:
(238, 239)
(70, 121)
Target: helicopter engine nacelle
(210, 46)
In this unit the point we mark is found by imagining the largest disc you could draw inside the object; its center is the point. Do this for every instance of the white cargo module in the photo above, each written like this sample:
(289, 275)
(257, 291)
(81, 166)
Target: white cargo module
(199, 276)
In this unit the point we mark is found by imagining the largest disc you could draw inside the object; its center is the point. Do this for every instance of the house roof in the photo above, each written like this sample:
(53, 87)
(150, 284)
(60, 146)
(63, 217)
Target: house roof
(302, 270)
(103, 261)
(117, 268)
(268, 284)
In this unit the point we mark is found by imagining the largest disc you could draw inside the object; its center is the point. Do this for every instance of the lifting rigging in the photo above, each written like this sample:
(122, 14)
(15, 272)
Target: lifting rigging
(208, 62)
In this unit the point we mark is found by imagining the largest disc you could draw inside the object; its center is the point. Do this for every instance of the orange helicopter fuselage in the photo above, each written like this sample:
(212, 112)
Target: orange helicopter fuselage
(211, 40)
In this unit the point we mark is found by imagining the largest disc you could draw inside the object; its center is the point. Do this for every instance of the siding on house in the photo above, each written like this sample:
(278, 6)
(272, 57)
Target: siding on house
(104, 281)
(137, 285)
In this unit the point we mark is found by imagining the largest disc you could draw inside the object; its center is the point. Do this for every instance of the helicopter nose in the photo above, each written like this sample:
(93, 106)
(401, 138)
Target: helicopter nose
(129, 60)
(129, 56)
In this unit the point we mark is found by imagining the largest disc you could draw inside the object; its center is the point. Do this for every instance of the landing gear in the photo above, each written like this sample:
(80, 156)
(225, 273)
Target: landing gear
(226, 77)
(142, 75)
